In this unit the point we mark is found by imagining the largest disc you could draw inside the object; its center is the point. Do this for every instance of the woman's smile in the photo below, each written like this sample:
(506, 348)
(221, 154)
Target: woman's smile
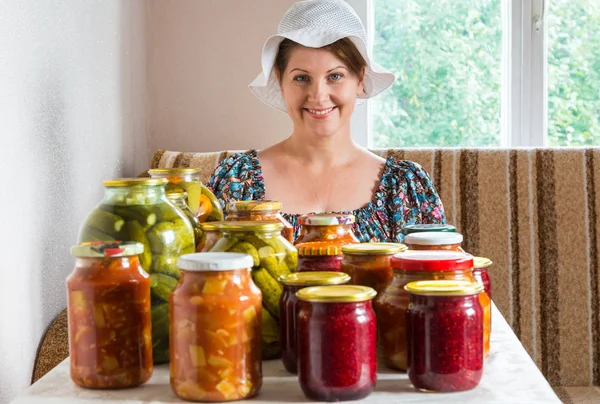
(319, 113)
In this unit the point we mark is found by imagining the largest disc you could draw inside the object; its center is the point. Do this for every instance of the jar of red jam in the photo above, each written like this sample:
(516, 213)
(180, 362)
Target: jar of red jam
(392, 303)
(329, 229)
(368, 264)
(444, 324)
(319, 257)
(108, 306)
(288, 306)
(337, 348)
(427, 227)
(480, 272)
(269, 211)
(434, 241)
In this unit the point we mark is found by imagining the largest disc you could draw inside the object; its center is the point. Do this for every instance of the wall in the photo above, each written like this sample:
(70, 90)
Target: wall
(201, 57)
(72, 112)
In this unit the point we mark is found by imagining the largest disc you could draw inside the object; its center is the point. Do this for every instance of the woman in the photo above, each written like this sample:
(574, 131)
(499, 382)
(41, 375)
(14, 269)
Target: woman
(316, 68)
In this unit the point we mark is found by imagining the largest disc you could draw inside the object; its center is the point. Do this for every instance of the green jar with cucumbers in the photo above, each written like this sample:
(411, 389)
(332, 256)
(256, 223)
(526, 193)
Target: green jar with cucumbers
(273, 257)
(137, 209)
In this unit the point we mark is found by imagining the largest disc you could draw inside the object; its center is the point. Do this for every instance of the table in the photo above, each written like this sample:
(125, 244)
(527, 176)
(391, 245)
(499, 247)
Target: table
(510, 376)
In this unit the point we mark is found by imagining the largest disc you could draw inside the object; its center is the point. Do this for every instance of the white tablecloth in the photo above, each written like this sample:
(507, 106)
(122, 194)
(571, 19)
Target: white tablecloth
(509, 376)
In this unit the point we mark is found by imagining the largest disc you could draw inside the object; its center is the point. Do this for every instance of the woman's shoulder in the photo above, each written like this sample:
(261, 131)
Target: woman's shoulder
(238, 177)
(238, 163)
(397, 172)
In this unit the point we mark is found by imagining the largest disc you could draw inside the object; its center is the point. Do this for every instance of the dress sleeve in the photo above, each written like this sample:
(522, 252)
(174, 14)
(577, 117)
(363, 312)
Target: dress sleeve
(413, 198)
(237, 178)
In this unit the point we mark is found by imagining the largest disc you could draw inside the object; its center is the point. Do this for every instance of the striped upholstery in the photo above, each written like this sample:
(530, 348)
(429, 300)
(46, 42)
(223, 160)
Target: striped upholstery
(534, 213)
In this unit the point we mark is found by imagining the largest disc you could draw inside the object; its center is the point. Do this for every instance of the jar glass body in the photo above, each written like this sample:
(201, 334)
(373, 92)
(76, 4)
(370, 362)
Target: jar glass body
(337, 350)
(331, 263)
(264, 215)
(110, 336)
(439, 247)
(482, 276)
(445, 342)
(392, 304)
(143, 213)
(370, 270)
(194, 222)
(209, 238)
(215, 336)
(333, 234)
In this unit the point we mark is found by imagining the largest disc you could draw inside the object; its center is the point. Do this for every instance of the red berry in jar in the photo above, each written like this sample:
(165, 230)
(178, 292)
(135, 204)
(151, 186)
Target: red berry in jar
(319, 257)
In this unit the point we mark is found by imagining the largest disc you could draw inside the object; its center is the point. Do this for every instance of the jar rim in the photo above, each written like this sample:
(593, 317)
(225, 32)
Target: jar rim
(128, 182)
(326, 219)
(428, 260)
(215, 261)
(443, 288)
(336, 294)
(373, 248)
(253, 206)
(174, 170)
(428, 227)
(249, 225)
(106, 249)
(176, 194)
(314, 278)
(482, 262)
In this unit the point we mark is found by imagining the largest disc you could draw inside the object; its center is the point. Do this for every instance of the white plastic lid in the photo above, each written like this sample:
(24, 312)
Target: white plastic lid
(215, 261)
(433, 238)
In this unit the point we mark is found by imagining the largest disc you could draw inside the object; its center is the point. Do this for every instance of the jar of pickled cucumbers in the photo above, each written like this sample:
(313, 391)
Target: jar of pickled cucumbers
(137, 209)
(215, 329)
(392, 303)
(288, 331)
(272, 257)
(269, 211)
(332, 229)
(179, 200)
(448, 241)
(444, 327)
(203, 203)
(210, 236)
(368, 264)
(427, 227)
(108, 306)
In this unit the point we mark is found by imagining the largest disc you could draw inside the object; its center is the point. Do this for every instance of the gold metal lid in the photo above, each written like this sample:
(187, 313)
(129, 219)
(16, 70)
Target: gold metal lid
(373, 248)
(128, 182)
(174, 170)
(249, 225)
(176, 194)
(336, 294)
(253, 206)
(316, 248)
(443, 288)
(314, 278)
(481, 262)
(101, 249)
(208, 226)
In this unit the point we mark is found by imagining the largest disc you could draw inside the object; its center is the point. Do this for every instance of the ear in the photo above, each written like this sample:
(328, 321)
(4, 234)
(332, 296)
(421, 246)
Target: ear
(361, 82)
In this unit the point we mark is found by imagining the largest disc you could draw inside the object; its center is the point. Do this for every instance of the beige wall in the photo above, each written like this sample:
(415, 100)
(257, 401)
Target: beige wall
(201, 57)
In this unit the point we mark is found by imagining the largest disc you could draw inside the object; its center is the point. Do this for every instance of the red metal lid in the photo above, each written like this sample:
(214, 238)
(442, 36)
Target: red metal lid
(432, 261)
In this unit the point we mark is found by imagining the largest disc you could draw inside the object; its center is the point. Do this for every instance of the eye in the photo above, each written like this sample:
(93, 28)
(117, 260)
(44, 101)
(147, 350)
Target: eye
(301, 78)
(336, 76)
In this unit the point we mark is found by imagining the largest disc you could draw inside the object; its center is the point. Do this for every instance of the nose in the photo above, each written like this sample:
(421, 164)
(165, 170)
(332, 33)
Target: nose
(318, 92)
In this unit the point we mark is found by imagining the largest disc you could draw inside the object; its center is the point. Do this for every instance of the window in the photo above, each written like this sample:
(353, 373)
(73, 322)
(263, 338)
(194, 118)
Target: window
(483, 73)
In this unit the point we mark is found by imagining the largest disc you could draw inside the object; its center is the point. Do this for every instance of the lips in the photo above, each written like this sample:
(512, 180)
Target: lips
(319, 113)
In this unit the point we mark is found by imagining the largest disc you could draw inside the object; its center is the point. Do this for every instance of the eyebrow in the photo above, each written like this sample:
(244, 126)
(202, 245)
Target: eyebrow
(330, 70)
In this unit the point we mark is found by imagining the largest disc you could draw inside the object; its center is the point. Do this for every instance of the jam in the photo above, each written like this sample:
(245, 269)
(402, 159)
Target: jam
(444, 335)
(480, 272)
(292, 283)
(317, 257)
(337, 358)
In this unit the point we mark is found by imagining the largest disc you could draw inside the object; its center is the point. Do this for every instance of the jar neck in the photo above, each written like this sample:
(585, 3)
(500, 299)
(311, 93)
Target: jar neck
(135, 195)
(249, 233)
(336, 309)
(420, 275)
(178, 177)
(106, 263)
(249, 214)
(444, 302)
(232, 275)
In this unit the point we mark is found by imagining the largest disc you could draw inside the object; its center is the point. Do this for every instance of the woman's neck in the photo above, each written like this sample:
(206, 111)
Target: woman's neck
(324, 152)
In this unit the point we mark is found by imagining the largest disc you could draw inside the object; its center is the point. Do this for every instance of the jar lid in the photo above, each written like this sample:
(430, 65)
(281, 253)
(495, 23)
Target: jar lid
(253, 206)
(433, 238)
(176, 194)
(426, 260)
(249, 225)
(215, 261)
(373, 248)
(481, 262)
(325, 219)
(336, 294)
(314, 278)
(418, 228)
(443, 288)
(128, 182)
(208, 226)
(316, 248)
(99, 249)
(174, 170)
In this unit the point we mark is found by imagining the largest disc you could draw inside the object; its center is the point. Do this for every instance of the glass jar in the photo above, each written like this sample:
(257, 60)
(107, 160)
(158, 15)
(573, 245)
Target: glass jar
(108, 307)
(210, 236)
(203, 203)
(427, 227)
(445, 335)
(269, 211)
(434, 241)
(137, 209)
(329, 229)
(480, 272)
(215, 329)
(178, 199)
(337, 348)
(319, 256)
(273, 256)
(392, 303)
(368, 264)
(292, 283)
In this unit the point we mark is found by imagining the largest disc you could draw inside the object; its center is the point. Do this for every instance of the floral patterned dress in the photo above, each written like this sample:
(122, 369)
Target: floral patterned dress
(405, 195)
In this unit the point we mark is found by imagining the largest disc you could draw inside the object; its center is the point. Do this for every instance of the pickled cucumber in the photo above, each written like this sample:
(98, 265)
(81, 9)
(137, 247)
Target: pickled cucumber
(166, 264)
(143, 214)
(89, 233)
(224, 244)
(269, 261)
(270, 288)
(106, 222)
(133, 231)
(246, 248)
(161, 285)
(164, 239)
(270, 336)
(160, 333)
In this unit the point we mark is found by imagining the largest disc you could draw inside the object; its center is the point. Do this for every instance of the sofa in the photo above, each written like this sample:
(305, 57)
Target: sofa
(534, 213)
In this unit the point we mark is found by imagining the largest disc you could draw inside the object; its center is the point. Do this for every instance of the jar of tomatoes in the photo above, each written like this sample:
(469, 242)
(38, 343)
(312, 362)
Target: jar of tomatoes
(329, 229)
(444, 324)
(427, 227)
(269, 211)
(337, 347)
(434, 241)
(368, 264)
(392, 303)
(210, 235)
(108, 307)
(480, 272)
(178, 199)
(203, 203)
(292, 283)
(215, 313)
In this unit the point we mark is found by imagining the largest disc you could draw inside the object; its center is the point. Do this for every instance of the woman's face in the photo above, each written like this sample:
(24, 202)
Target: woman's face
(319, 92)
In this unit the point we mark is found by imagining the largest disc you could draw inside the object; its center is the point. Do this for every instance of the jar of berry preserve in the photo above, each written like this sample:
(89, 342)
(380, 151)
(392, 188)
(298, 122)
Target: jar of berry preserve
(288, 307)
(480, 272)
(444, 323)
(434, 241)
(337, 348)
(319, 256)
(332, 229)
(269, 211)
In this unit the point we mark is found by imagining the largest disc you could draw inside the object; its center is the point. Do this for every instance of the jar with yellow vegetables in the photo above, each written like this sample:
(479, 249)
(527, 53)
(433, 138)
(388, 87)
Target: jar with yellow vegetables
(269, 211)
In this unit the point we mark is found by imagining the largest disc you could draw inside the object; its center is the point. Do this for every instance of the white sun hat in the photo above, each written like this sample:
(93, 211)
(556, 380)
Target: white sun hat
(314, 24)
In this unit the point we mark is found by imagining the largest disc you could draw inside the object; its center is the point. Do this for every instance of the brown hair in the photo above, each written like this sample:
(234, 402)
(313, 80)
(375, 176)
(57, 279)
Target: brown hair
(344, 49)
